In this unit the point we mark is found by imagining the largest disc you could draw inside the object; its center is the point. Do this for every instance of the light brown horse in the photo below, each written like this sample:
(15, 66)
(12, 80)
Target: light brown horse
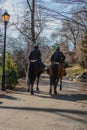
(56, 72)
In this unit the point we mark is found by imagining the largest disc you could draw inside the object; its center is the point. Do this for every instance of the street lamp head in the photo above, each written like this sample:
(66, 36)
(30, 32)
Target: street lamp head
(5, 17)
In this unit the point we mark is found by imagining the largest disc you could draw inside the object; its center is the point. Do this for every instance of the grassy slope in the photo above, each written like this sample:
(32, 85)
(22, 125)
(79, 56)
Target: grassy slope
(75, 70)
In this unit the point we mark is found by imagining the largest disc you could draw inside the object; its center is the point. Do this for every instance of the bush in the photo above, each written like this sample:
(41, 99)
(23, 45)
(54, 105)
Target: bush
(11, 73)
(82, 62)
(65, 64)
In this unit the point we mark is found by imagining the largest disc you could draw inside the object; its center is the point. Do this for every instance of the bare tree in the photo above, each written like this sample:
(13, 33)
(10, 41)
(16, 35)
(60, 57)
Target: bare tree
(71, 32)
(74, 22)
(33, 21)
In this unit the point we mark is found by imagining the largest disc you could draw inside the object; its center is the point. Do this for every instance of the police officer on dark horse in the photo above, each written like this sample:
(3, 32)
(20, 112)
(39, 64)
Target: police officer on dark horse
(56, 70)
(36, 67)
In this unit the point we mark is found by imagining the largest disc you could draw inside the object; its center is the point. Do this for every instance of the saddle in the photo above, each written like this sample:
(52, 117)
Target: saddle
(55, 63)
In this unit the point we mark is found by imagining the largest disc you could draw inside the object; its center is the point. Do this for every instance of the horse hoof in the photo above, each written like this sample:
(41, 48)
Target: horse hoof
(28, 91)
(55, 92)
(50, 92)
(38, 90)
(32, 93)
(60, 88)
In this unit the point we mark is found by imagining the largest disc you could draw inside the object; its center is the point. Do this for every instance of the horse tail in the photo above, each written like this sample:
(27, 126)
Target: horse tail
(47, 70)
(54, 73)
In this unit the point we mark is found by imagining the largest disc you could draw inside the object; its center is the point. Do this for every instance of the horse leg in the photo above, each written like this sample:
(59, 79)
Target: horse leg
(55, 91)
(60, 83)
(32, 92)
(55, 87)
(38, 77)
(50, 91)
(28, 84)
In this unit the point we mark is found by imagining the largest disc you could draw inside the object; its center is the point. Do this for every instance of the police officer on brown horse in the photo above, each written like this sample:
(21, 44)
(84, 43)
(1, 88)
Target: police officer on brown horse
(57, 56)
(56, 70)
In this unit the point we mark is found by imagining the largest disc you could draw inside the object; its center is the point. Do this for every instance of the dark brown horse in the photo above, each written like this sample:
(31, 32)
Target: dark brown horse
(56, 72)
(33, 72)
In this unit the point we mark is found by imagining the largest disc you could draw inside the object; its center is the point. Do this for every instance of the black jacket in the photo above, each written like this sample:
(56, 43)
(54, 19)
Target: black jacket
(35, 54)
(57, 56)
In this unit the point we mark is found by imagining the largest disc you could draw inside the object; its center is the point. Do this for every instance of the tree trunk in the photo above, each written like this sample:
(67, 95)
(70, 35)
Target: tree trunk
(33, 22)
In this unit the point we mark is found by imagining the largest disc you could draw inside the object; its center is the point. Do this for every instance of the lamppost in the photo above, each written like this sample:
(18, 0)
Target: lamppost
(5, 19)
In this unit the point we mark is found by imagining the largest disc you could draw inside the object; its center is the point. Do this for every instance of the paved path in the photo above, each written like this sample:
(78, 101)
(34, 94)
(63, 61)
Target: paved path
(20, 110)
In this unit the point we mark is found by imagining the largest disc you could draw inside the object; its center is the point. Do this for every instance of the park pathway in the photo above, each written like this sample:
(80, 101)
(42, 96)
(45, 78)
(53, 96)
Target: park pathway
(67, 110)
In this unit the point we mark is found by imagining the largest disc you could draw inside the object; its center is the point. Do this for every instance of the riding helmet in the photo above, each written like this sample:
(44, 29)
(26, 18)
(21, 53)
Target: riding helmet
(35, 45)
(57, 46)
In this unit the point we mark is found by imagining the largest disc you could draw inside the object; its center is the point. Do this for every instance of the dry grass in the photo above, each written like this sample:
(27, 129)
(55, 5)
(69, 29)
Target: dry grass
(75, 70)
(2, 93)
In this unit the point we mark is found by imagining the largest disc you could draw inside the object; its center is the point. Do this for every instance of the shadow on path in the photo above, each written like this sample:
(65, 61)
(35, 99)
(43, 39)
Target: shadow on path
(1, 102)
(63, 112)
(67, 97)
(8, 97)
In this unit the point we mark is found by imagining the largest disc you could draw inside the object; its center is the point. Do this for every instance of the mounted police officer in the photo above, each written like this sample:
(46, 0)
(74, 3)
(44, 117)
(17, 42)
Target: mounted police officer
(35, 55)
(57, 56)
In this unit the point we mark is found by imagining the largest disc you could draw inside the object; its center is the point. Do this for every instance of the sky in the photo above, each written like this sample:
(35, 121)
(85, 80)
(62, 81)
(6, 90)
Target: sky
(13, 7)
